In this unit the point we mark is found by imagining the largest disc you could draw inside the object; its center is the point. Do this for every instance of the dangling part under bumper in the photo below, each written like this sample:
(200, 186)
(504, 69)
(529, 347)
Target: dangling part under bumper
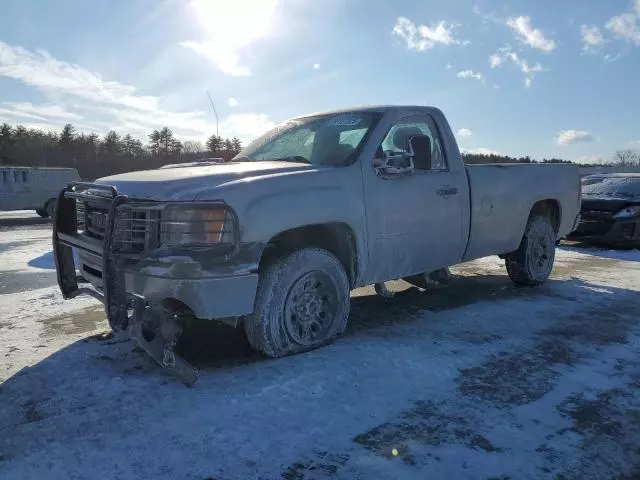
(157, 330)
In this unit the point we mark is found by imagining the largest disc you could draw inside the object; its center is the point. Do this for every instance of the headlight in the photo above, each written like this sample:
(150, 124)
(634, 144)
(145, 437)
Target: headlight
(195, 225)
(628, 212)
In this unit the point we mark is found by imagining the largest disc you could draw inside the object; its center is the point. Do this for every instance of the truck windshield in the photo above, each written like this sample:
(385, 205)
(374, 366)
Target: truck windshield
(624, 187)
(329, 139)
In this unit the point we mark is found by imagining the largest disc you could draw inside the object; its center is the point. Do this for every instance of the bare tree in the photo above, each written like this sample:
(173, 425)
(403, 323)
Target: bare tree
(192, 146)
(627, 158)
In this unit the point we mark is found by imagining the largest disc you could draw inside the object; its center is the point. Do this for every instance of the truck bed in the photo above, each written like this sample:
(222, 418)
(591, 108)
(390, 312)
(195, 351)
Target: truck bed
(502, 195)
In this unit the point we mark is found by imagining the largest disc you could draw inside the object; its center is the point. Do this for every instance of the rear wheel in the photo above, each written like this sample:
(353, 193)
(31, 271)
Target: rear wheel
(42, 212)
(532, 263)
(302, 303)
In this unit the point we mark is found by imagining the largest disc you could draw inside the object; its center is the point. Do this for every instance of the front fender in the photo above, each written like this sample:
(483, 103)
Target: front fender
(271, 205)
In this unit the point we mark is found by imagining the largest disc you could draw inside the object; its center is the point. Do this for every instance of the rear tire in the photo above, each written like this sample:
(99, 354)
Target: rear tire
(302, 303)
(532, 263)
(42, 212)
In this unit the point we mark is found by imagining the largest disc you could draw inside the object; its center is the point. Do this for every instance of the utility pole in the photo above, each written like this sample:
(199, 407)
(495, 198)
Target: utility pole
(215, 113)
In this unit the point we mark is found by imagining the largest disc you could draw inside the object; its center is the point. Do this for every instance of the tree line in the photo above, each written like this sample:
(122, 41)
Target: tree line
(94, 156)
(480, 158)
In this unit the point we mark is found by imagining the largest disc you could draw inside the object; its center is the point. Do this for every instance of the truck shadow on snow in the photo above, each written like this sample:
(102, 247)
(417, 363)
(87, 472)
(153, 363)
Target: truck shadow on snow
(212, 345)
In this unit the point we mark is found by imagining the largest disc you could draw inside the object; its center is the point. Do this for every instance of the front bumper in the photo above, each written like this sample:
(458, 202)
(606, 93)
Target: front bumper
(602, 227)
(207, 293)
(211, 288)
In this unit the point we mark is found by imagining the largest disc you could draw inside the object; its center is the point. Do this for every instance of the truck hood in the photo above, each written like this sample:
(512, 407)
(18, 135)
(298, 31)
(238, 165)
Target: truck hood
(183, 184)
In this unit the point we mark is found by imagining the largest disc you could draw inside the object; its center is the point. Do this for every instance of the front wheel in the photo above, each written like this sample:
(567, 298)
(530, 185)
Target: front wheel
(302, 303)
(532, 263)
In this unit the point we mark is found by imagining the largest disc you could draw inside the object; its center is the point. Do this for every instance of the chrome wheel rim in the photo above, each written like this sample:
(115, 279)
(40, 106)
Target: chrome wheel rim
(310, 308)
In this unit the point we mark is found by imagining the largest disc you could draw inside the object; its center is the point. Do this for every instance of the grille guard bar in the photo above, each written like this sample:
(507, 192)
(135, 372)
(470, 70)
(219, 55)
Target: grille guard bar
(113, 294)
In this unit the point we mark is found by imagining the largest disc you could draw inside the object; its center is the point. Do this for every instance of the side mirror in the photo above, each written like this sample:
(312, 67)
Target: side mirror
(394, 164)
(420, 151)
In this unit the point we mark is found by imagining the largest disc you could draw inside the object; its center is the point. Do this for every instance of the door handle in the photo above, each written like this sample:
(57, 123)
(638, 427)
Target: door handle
(447, 191)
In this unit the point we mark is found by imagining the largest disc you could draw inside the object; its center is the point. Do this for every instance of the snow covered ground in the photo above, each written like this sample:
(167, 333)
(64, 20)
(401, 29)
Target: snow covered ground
(481, 380)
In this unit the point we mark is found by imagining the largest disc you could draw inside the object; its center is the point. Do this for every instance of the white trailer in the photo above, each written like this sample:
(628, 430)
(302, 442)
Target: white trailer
(33, 188)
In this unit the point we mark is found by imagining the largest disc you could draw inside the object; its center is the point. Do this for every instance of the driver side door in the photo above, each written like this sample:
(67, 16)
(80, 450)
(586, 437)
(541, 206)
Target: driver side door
(414, 221)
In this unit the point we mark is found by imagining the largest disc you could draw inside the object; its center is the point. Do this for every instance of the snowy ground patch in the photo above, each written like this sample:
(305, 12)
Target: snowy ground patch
(480, 380)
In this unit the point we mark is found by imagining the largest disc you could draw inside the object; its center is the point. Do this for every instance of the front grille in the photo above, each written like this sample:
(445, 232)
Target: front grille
(594, 222)
(95, 220)
(80, 216)
(134, 229)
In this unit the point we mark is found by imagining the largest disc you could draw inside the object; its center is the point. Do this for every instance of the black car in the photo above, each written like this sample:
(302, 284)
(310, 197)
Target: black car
(610, 212)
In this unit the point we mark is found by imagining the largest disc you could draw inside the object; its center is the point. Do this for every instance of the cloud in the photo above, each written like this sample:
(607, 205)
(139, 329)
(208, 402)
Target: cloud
(227, 60)
(448, 65)
(591, 37)
(634, 143)
(116, 105)
(612, 58)
(625, 26)
(480, 151)
(486, 16)
(533, 37)
(232, 102)
(422, 37)
(41, 70)
(230, 26)
(316, 66)
(471, 74)
(505, 54)
(465, 132)
(246, 126)
(496, 60)
(39, 112)
(571, 137)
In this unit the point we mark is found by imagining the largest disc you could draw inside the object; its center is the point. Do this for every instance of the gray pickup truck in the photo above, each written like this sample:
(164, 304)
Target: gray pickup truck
(275, 239)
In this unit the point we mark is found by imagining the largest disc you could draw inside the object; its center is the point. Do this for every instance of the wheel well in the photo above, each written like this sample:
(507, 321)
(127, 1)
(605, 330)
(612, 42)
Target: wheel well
(337, 238)
(549, 208)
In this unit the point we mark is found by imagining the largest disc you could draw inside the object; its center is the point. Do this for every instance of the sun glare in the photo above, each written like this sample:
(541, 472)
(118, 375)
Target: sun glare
(235, 22)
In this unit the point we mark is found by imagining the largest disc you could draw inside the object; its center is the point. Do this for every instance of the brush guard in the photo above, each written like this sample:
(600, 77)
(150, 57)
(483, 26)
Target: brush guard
(156, 330)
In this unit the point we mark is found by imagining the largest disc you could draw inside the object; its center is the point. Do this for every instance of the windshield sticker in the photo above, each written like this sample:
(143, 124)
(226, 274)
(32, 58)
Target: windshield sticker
(344, 121)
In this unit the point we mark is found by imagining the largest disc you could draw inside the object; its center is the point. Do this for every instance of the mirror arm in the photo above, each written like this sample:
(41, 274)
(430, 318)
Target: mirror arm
(387, 168)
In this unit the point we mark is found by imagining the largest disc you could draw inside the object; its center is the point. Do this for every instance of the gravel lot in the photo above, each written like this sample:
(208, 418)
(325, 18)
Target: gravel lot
(480, 380)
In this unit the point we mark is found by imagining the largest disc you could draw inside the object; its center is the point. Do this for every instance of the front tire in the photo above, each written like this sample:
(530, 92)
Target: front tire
(532, 263)
(302, 303)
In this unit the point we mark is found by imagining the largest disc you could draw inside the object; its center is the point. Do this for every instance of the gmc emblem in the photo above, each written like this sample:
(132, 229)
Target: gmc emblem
(98, 219)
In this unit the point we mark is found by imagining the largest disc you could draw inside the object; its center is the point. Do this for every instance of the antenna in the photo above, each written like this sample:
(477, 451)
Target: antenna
(214, 112)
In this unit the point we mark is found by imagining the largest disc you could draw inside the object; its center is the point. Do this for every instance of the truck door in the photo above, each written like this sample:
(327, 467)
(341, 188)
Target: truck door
(414, 221)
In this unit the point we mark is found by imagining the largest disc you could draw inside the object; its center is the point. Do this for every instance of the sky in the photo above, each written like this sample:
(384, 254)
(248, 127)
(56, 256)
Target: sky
(543, 78)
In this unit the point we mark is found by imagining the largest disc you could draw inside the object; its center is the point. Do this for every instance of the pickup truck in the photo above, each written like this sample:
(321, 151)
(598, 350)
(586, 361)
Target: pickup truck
(275, 239)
